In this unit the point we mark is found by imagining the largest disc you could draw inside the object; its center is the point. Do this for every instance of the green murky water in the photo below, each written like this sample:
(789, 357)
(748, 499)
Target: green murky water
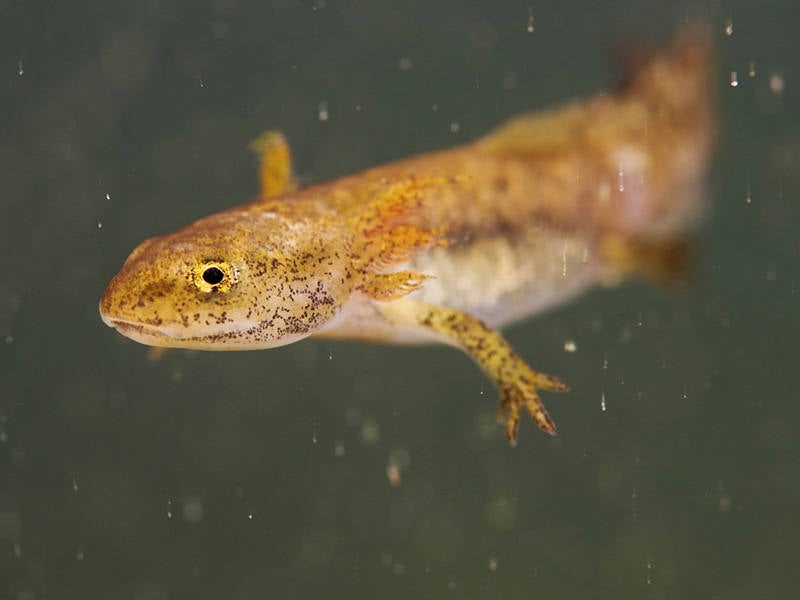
(336, 470)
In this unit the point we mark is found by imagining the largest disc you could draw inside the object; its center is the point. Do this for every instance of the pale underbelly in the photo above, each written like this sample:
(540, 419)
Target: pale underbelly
(502, 280)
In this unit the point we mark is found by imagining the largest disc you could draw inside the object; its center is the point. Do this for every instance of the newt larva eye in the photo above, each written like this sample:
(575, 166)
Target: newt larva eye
(215, 276)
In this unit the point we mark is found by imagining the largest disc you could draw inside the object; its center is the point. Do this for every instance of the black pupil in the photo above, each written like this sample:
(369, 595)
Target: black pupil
(213, 276)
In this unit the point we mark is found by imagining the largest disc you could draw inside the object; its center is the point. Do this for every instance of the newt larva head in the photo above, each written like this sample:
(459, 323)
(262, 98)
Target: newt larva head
(233, 281)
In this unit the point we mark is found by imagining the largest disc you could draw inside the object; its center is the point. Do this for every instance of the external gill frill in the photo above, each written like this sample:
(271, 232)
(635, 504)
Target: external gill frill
(390, 231)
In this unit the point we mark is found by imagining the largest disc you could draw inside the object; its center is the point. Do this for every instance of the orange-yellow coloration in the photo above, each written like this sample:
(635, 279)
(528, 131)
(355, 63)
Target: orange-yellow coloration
(444, 247)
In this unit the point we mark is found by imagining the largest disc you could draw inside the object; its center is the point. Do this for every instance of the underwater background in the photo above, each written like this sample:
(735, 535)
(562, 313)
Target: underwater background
(346, 470)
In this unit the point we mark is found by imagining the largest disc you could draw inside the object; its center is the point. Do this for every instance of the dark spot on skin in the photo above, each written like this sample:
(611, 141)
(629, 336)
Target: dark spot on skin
(500, 184)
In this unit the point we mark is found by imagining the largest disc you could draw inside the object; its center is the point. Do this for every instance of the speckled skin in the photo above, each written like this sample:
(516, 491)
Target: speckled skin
(443, 246)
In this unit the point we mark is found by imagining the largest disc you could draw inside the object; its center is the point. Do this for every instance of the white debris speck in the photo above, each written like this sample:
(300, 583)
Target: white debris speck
(603, 400)
(570, 346)
(370, 432)
(776, 83)
(394, 475)
(751, 68)
(322, 111)
(108, 196)
(99, 224)
(74, 483)
(20, 68)
(193, 510)
(729, 26)
(529, 24)
(493, 563)
(455, 127)
(339, 449)
(405, 63)
(734, 79)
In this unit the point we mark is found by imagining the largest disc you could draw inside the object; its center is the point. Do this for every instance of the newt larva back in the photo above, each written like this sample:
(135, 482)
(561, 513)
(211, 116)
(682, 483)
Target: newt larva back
(443, 247)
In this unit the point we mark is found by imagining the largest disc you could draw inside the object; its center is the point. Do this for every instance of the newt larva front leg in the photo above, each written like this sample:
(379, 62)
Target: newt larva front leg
(515, 380)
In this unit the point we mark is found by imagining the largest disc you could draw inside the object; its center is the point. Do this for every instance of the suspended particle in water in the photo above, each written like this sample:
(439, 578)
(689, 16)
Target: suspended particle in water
(776, 83)
(322, 111)
(649, 571)
(529, 24)
(370, 432)
(734, 79)
(193, 510)
(621, 174)
(510, 81)
(729, 26)
(570, 346)
(751, 68)
(748, 195)
(169, 508)
(455, 127)
(564, 260)
(394, 475)
(99, 224)
(79, 555)
(108, 196)
(338, 449)
(20, 68)
(603, 400)
(74, 483)
(405, 63)
(493, 563)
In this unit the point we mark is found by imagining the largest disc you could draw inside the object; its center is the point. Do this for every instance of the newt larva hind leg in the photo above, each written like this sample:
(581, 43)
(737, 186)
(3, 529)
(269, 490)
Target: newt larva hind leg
(275, 169)
(515, 380)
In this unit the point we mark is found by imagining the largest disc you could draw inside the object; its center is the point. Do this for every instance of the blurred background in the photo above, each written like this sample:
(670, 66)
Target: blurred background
(345, 470)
